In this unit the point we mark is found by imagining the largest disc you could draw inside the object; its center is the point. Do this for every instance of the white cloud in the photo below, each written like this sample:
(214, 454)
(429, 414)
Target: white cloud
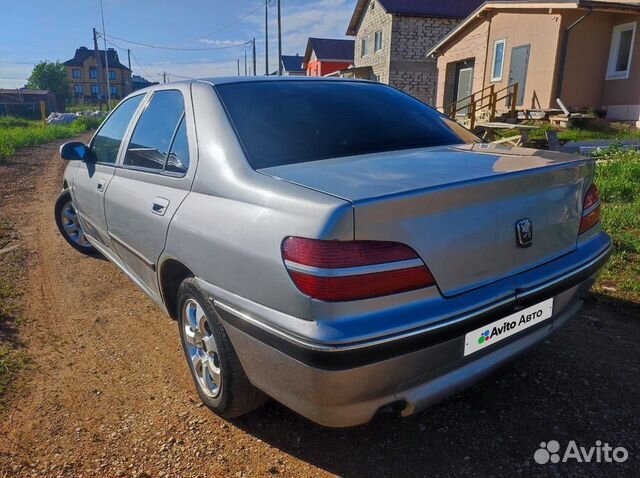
(180, 71)
(208, 41)
(322, 18)
(14, 75)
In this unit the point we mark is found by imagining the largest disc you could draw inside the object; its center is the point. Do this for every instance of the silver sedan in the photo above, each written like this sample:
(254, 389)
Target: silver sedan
(336, 245)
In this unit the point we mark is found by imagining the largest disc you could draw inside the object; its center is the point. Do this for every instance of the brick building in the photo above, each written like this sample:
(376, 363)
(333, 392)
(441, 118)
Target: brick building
(88, 82)
(392, 37)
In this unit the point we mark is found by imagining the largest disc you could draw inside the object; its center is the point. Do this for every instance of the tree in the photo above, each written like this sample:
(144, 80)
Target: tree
(48, 75)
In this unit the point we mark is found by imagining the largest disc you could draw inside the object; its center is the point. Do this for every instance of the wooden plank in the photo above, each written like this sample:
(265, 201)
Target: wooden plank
(563, 107)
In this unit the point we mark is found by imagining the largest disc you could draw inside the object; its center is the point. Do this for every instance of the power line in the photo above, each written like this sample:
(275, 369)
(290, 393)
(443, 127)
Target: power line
(161, 47)
(237, 20)
(135, 58)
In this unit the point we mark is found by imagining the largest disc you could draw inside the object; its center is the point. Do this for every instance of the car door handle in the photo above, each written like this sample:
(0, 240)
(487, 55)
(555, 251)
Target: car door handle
(160, 206)
(100, 185)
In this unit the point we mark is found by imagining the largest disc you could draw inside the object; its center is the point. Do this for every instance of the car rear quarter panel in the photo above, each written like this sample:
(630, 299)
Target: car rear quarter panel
(230, 228)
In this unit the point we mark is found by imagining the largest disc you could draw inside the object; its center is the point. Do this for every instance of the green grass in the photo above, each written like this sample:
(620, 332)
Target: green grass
(585, 131)
(18, 133)
(618, 179)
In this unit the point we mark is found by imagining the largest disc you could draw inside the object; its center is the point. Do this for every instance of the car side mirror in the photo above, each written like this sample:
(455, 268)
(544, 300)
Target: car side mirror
(75, 151)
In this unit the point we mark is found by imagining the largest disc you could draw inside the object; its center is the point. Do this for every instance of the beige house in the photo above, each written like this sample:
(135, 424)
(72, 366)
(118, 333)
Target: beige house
(586, 53)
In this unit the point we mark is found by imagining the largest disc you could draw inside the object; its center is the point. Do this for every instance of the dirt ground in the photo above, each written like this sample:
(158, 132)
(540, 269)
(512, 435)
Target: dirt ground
(107, 391)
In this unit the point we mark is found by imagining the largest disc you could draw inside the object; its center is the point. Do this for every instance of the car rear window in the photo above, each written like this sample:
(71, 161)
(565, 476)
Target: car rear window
(294, 121)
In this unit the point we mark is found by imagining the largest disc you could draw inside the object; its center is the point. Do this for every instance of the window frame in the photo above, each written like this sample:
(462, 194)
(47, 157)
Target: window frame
(114, 90)
(133, 125)
(96, 90)
(502, 41)
(78, 89)
(78, 75)
(377, 35)
(614, 51)
(112, 75)
(93, 69)
(125, 136)
(364, 47)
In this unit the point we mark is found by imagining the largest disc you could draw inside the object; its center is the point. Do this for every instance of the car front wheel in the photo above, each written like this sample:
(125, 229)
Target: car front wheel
(69, 224)
(217, 373)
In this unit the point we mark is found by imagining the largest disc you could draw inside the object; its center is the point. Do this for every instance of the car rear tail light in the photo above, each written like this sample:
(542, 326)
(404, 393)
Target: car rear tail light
(590, 209)
(335, 271)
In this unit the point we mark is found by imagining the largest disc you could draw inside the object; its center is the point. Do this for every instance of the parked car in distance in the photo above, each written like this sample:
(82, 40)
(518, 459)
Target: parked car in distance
(336, 245)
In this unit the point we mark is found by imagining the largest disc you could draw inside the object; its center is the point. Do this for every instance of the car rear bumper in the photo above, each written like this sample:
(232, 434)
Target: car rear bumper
(346, 384)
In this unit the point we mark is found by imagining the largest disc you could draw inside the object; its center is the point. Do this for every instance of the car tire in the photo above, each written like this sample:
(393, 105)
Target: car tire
(218, 375)
(69, 225)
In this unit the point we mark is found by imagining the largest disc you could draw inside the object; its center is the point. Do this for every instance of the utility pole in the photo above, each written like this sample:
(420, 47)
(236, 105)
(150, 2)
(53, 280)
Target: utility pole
(245, 61)
(254, 55)
(238, 65)
(98, 64)
(279, 42)
(106, 58)
(266, 38)
(164, 76)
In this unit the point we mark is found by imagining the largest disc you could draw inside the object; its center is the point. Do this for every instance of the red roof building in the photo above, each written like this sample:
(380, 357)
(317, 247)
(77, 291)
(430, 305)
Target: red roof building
(324, 56)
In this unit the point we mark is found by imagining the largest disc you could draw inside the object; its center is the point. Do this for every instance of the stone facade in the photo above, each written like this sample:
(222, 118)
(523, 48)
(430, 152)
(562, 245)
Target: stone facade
(402, 62)
(375, 19)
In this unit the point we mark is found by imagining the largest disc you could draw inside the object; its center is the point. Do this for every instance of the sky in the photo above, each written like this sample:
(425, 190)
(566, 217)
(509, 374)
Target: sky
(36, 30)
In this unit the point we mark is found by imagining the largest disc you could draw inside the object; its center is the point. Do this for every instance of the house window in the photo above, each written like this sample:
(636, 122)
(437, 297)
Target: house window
(114, 90)
(95, 89)
(498, 60)
(378, 41)
(364, 46)
(112, 75)
(76, 73)
(93, 73)
(621, 51)
(78, 90)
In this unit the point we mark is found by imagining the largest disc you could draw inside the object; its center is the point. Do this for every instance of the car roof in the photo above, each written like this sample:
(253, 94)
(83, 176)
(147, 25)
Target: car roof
(223, 80)
(227, 80)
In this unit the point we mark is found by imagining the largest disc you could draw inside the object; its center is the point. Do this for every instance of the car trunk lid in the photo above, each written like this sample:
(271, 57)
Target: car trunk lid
(457, 207)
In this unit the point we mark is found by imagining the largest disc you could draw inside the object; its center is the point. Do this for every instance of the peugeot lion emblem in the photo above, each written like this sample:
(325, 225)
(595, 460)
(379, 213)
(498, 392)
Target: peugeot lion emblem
(524, 232)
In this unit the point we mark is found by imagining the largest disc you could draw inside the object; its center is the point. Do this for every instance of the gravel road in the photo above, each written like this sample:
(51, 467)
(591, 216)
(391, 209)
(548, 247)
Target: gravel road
(107, 391)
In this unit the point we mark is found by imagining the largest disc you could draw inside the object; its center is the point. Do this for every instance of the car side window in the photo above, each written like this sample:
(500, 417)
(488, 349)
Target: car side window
(152, 137)
(178, 160)
(106, 142)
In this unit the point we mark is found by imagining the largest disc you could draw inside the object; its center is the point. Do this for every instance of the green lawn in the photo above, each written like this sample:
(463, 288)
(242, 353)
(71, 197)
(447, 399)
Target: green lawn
(618, 179)
(18, 133)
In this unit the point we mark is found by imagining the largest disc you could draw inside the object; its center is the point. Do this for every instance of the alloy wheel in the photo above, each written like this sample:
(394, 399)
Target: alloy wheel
(72, 226)
(202, 349)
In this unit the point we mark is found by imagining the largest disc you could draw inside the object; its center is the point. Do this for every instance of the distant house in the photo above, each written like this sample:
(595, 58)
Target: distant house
(138, 82)
(292, 65)
(587, 53)
(325, 56)
(392, 38)
(24, 102)
(89, 82)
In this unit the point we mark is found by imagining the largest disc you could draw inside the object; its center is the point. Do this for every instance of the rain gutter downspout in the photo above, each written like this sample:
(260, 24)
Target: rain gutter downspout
(564, 49)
